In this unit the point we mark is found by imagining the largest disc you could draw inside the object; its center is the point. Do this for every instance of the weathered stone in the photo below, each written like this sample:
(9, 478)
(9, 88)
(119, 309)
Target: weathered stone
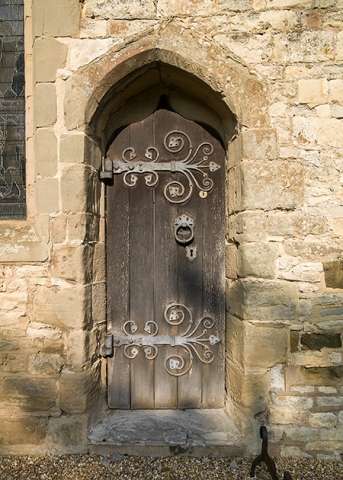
(46, 152)
(313, 91)
(231, 261)
(259, 145)
(99, 302)
(119, 9)
(256, 346)
(45, 364)
(50, 55)
(269, 301)
(249, 390)
(73, 263)
(257, 260)
(333, 274)
(78, 391)
(78, 189)
(47, 195)
(68, 434)
(83, 227)
(248, 227)
(69, 307)
(99, 262)
(272, 185)
(29, 394)
(316, 341)
(45, 105)
(56, 19)
(22, 430)
(59, 228)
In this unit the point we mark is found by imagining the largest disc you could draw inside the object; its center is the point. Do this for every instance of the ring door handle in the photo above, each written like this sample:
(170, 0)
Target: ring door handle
(184, 229)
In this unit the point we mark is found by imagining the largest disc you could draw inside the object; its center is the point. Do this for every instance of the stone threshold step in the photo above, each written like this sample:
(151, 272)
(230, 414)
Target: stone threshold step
(166, 432)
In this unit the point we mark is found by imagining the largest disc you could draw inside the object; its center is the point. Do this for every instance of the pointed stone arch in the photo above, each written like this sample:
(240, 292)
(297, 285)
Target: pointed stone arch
(125, 84)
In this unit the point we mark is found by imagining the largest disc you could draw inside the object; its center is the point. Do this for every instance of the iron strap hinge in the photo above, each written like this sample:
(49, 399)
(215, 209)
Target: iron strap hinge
(193, 341)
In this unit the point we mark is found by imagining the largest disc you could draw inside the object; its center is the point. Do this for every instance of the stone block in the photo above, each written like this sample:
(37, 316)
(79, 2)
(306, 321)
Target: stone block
(332, 434)
(248, 227)
(40, 331)
(99, 262)
(271, 301)
(315, 376)
(22, 430)
(235, 151)
(272, 185)
(336, 90)
(300, 435)
(186, 7)
(45, 105)
(292, 402)
(99, 302)
(45, 364)
(78, 189)
(259, 144)
(231, 261)
(47, 195)
(313, 91)
(333, 272)
(290, 224)
(292, 269)
(45, 152)
(317, 341)
(13, 363)
(67, 307)
(322, 420)
(111, 9)
(68, 434)
(73, 263)
(78, 391)
(257, 260)
(84, 51)
(78, 350)
(29, 394)
(234, 5)
(289, 3)
(49, 55)
(256, 346)
(72, 147)
(60, 19)
(250, 391)
(83, 227)
(58, 226)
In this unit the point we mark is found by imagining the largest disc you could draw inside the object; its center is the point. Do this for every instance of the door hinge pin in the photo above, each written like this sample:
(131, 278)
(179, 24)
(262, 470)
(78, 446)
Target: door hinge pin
(106, 350)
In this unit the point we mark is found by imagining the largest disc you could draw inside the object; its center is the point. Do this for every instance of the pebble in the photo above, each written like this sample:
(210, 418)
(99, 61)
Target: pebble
(94, 467)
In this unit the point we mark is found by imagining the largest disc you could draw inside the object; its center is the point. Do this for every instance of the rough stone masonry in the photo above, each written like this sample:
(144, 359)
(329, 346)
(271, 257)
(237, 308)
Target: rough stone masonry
(272, 69)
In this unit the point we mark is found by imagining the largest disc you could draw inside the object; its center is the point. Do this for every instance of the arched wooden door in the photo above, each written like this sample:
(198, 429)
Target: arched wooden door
(165, 265)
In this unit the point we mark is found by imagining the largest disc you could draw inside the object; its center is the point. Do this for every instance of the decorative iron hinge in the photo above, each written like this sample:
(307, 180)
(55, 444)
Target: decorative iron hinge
(194, 341)
(191, 166)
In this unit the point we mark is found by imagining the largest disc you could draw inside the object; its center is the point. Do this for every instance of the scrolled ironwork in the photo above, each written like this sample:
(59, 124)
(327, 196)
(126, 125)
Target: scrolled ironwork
(194, 342)
(194, 166)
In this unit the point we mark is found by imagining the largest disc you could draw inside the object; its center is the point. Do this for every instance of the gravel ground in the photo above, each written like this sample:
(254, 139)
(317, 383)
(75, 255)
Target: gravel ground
(91, 467)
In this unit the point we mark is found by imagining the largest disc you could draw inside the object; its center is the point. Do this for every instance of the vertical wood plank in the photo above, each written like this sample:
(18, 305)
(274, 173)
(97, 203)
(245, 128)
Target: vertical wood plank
(142, 267)
(213, 377)
(166, 273)
(117, 234)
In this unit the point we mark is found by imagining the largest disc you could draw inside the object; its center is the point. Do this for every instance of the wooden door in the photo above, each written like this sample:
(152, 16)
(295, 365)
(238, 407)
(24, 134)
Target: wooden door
(165, 265)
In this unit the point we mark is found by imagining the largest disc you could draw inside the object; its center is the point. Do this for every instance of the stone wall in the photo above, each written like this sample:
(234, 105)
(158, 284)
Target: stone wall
(277, 66)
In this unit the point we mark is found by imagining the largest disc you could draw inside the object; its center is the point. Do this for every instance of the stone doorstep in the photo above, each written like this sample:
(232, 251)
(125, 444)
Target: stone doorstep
(165, 433)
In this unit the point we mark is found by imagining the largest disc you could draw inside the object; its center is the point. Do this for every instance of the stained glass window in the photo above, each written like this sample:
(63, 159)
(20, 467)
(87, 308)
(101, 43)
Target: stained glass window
(12, 110)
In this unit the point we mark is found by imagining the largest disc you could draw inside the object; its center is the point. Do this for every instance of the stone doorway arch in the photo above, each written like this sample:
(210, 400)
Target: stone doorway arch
(125, 85)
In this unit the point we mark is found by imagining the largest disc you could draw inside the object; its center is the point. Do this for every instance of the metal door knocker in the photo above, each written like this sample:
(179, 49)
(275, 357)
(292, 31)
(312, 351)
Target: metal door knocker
(184, 229)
